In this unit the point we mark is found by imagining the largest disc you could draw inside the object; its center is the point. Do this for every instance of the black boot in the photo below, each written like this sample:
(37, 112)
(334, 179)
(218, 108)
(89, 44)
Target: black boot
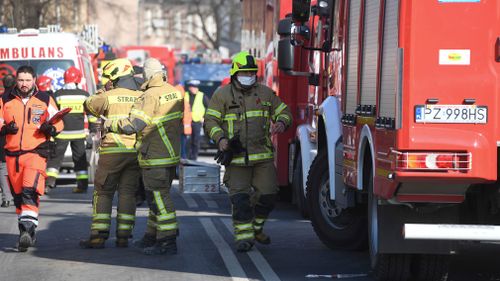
(162, 247)
(94, 242)
(244, 246)
(27, 235)
(262, 238)
(146, 241)
(81, 186)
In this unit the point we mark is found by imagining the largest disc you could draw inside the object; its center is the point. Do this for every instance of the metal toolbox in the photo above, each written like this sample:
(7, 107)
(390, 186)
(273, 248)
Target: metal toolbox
(198, 177)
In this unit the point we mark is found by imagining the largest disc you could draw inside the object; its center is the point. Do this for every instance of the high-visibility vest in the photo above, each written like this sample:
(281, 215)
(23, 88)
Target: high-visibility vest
(198, 110)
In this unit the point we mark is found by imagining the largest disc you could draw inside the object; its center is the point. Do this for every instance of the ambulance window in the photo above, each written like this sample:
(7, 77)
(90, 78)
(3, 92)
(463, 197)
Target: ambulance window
(89, 77)
(52, 68)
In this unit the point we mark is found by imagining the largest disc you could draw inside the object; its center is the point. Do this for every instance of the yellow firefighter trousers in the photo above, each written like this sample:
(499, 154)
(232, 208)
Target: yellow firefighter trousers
(252, 190)
(115, 172)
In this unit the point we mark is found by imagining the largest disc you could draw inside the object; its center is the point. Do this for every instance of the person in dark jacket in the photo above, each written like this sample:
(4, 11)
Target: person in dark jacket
(74, 132)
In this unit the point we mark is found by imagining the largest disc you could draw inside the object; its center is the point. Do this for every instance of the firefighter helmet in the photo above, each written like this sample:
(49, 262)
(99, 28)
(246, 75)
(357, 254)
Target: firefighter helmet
(243, 61)
(117, 68)
(72, 75)
(44, 83)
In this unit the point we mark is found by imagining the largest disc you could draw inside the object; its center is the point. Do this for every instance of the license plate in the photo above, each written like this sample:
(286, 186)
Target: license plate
(451, 113)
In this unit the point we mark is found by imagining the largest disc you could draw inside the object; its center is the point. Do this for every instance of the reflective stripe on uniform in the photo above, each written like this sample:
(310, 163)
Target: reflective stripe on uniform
(166, 217)
(163, 134)
(109, 150)
(258, 223)
(214, 130)
(214, 113)
(123, 226)
(230, 116)
(243, 227)
(167, 226)
(82, 175)
(52, 172)
(142, 115)
(253, 157)
(101, 216)
(100, 226)
(283, 116)
(126, 217)
(244, 236)
(70, 135)
(256, 113)
(159, 202)
(278, 110)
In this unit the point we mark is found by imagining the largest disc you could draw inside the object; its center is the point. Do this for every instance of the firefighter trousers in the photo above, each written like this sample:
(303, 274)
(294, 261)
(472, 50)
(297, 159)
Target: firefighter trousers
(252, 190)
(162, 221)
(118, 172)
(79, 156)
(26, 175)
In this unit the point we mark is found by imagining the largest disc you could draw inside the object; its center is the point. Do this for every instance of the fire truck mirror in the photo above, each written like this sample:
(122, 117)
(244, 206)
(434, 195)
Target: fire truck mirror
(285, 54)
(301, 10)
(325, 8)
(285, 27)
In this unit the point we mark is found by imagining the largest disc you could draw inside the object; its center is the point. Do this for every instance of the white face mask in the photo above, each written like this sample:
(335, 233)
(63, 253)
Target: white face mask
(246, 80)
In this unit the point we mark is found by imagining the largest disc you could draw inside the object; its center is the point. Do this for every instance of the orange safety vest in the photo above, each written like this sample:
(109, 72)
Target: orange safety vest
(187, 118)
(39, 108)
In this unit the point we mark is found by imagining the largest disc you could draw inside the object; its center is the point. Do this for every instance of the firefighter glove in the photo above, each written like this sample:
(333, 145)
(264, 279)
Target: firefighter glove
(235, 145)
(278, 127)
(9, 129)
(48, 129)
(223, 144)
(224, 157)
(108, 124)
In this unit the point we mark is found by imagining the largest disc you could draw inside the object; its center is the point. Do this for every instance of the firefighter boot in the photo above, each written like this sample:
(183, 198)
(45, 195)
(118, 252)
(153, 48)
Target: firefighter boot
(121, 242)
(81, 186)
(50, 183)
(145, 242)
(27, 235)
(262, 238)
(162, 246)
(244, 246)
(94, 242)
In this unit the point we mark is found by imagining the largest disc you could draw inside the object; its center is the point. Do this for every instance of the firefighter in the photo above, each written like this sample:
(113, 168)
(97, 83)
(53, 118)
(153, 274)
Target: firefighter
(156, 118)
(240, 118)
(74, 132)
(117, 169)
(25, 113)
(198, 102)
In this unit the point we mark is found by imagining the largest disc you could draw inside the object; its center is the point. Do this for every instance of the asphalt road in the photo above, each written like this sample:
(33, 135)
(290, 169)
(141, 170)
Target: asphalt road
(206, 250)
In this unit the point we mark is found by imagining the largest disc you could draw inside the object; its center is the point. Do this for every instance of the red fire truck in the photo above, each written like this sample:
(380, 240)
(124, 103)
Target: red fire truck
(403, 97)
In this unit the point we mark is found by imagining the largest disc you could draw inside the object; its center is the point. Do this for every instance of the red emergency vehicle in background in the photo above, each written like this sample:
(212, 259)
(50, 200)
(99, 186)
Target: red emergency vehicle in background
(396, 140)
(138, 54)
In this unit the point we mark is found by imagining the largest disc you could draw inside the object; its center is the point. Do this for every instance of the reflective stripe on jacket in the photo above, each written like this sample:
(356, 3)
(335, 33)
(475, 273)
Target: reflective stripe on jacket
(74, 122)
(114, 104)
(247, 114)
(39, 108)
(160, 110)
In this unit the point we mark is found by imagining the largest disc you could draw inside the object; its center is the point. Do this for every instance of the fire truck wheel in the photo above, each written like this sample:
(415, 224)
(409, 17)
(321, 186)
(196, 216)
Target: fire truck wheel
(337, 228)
(395, 267)
(298, 191)
(431, 267)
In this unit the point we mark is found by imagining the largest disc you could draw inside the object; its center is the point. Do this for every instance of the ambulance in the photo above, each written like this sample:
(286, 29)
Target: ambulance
(50, 52)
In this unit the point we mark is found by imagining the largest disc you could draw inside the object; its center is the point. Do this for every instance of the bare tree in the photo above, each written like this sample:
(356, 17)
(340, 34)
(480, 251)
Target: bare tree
(226, 15)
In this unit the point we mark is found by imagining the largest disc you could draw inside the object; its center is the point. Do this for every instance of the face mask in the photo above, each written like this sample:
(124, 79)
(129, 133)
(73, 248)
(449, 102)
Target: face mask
(246, 80)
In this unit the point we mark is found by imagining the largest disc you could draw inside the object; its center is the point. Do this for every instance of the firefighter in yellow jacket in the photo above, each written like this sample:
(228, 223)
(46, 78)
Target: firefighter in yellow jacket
(156, 118)
(117, 169)
(240, 118)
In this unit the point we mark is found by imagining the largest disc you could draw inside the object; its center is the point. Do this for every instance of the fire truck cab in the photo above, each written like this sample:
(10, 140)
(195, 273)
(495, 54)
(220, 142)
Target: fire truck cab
(405, 134)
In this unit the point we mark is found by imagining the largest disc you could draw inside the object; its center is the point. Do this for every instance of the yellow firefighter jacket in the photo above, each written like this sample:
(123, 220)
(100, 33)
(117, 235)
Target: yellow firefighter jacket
(156, 117)
(114, 104)
(247, 114)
